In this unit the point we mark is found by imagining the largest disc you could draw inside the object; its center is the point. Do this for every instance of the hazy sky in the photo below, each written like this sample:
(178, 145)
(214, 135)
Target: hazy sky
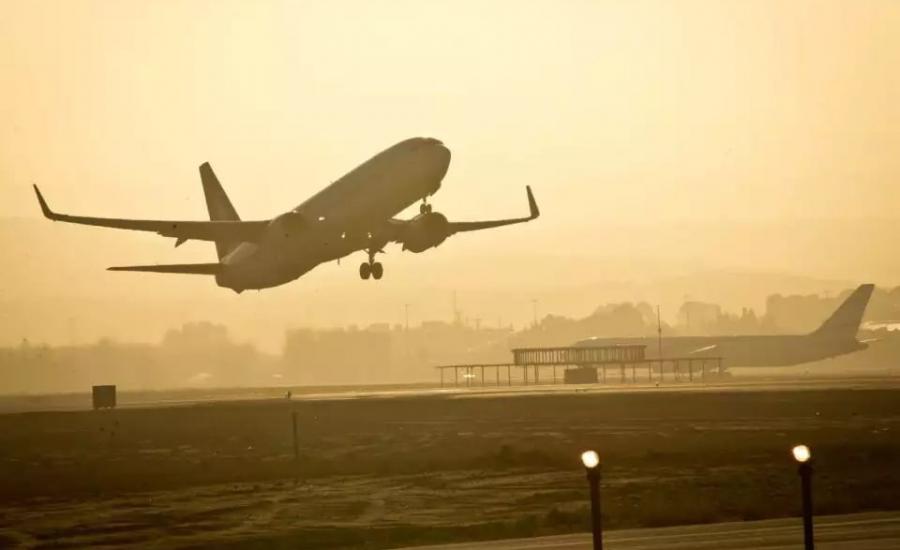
(746, 117)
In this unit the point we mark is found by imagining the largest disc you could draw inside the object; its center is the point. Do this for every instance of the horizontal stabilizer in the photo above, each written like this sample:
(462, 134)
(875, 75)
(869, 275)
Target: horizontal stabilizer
(193, 269)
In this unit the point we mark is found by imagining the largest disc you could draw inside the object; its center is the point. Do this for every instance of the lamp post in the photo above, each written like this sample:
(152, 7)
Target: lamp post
(804, 458)
(591, 461)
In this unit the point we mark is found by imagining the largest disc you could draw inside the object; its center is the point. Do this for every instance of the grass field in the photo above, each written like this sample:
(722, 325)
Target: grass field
(397, 471)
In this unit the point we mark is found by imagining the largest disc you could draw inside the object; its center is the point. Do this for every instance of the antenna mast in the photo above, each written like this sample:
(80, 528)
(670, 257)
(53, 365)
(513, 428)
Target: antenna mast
(658, 332)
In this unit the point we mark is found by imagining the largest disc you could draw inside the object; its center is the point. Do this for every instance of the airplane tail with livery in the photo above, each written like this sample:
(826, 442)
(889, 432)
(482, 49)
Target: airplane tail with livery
(220, 209)
(844, 322)
(219, 206)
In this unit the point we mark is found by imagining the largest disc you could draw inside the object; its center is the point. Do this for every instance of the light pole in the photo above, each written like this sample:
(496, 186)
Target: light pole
(591, 461)
(804, 459)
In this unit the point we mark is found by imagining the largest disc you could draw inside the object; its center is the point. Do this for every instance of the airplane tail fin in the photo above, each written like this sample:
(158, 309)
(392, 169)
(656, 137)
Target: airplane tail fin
(845, 320)
(219, 206)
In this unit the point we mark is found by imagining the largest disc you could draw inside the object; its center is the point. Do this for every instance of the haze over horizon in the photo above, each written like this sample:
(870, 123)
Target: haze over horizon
(674, 148)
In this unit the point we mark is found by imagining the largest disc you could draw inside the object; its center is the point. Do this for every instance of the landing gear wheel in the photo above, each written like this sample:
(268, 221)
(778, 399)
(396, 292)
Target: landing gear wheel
(424, 208)
(377, 270)
(365, 269)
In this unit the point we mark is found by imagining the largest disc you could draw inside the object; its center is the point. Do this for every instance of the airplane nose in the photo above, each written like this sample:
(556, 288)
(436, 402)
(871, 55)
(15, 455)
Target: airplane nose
(443, 158)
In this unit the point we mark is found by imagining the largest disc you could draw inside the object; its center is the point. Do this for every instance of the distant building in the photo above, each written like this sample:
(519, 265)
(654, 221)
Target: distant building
(697, 317)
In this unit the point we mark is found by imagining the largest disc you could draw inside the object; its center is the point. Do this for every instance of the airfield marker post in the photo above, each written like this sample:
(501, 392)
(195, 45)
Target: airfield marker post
(591, 461)
(803, 456)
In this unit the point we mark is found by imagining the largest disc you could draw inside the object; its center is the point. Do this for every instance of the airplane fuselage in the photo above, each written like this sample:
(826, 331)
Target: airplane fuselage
(743, 350)
(345, 217)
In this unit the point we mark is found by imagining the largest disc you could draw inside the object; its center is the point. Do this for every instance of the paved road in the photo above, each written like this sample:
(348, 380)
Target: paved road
(872, 531)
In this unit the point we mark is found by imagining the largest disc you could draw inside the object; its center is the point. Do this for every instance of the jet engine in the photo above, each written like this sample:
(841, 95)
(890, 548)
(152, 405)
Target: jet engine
(425, 231)
(289, 224)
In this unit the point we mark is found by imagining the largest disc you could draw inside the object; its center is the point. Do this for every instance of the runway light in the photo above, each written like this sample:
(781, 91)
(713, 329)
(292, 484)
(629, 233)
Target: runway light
(801, 453)
(590, 459)
(803, 456)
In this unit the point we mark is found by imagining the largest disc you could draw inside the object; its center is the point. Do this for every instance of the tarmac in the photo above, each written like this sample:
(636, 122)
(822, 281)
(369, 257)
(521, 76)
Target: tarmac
(186, 397)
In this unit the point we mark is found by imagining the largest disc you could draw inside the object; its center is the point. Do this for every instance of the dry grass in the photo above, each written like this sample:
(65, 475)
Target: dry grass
(378, 473)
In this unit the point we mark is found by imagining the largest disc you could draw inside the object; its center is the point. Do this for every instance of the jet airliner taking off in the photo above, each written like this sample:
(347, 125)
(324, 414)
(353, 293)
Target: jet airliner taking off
(836, 336)
(354, 213)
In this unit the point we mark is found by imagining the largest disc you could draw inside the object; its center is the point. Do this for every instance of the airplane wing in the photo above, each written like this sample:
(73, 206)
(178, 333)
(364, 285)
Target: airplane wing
(430, 229)
(181, 230)
(459, 227)
(193, 269)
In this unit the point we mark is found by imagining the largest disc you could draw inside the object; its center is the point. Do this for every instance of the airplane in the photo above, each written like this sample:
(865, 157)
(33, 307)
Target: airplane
(354, 213)
(836, 336)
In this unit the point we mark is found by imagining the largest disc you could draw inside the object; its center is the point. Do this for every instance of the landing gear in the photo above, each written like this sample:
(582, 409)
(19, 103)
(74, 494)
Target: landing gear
(424, 208)
(374, 270)
(371, 268)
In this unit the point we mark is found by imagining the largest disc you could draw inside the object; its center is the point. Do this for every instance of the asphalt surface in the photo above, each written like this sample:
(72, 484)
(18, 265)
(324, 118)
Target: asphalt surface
(870, 531)
(163, 398)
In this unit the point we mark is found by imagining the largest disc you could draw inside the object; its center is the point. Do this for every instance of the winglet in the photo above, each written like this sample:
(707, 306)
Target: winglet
(532, 204)
(44, 208)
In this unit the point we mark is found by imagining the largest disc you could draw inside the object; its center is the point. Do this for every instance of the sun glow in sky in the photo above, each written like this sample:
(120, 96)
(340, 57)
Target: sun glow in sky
(622, 113)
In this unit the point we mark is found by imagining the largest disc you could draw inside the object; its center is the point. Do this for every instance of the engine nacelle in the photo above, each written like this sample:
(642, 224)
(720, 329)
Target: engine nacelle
(289, 225)
(425, 231)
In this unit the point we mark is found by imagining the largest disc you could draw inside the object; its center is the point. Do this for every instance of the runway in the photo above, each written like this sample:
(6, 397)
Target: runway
(870, 531)
(195, 396)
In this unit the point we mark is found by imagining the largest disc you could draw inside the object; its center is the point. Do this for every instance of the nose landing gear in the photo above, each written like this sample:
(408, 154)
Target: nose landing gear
(424, 208)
